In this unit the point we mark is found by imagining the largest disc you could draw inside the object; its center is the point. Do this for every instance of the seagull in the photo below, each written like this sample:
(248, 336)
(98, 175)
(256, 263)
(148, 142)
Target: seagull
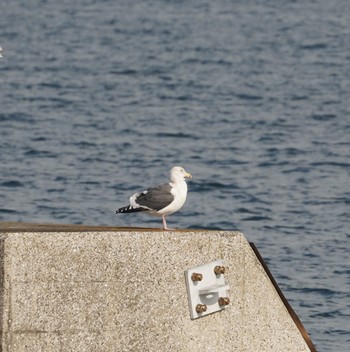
(1, 51)
(161, 200)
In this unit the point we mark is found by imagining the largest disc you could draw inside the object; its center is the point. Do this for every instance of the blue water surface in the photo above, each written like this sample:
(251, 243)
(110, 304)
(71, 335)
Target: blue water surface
(99, 99)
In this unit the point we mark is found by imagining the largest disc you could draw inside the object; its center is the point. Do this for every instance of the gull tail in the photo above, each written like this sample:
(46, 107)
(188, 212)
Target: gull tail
(129, 209)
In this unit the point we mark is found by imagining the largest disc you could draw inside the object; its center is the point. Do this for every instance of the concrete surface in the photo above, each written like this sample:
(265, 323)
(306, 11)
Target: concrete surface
(124, 290)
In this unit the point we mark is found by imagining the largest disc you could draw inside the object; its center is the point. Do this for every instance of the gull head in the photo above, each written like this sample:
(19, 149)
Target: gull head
(178, 173)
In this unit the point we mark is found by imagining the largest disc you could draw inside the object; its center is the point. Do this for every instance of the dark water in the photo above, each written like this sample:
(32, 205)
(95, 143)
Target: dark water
(100, 98)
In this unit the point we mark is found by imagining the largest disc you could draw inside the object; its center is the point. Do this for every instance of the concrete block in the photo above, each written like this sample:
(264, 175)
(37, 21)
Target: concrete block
(104, 289)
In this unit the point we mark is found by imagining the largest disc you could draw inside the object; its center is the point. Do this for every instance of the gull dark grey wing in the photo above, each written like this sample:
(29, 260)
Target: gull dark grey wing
(156, 198)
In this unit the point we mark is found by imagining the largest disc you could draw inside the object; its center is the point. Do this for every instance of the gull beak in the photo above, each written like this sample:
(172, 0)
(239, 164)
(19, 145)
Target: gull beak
(188, 175)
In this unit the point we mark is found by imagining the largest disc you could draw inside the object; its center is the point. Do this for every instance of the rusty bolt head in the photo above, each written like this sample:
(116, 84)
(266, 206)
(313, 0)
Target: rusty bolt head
(219, 270)
(197, 277)
(201, 308)
(223, 301)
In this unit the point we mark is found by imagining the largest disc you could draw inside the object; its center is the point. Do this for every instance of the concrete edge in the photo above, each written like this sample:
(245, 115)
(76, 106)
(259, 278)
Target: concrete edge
(289, 308)
(2, 288)
(11, 227)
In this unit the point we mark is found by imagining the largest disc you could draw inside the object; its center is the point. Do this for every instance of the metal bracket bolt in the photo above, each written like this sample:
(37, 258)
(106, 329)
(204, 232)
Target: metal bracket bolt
(219, 269)
(223, 301)
(196, 277)
(201, 308)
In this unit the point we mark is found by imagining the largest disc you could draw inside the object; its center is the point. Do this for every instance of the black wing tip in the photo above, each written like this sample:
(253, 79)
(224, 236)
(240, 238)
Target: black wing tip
(124, 209)
(129, 209)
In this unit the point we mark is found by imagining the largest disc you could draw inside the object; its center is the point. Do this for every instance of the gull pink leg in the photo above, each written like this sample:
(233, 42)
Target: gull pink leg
(165, 227)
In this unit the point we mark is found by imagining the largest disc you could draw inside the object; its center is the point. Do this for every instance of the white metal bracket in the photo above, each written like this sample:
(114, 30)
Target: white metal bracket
(206, 289)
